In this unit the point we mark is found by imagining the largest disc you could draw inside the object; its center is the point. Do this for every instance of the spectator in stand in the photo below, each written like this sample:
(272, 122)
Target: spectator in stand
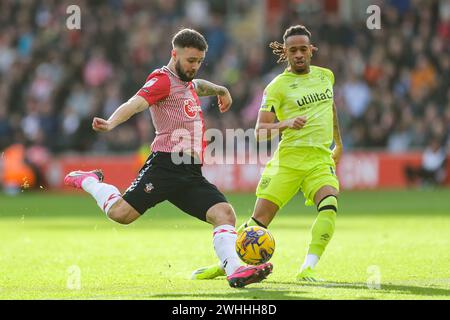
(48, 72)
(432, 170)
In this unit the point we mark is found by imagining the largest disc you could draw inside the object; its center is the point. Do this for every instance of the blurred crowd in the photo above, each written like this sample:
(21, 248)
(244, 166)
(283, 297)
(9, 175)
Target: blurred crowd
(392, 85)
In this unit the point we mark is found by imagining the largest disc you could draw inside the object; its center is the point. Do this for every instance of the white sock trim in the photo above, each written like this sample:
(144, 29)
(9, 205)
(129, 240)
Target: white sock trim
(105, 194)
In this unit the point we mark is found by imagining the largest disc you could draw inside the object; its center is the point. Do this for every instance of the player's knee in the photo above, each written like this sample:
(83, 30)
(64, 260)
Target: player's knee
(120, 213)
(221, 213)
(325, 192)
(328, 203)
(118, 216)
(227, 214)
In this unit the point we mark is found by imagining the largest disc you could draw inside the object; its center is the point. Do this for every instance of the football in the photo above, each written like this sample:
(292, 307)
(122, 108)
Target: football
(255, 245)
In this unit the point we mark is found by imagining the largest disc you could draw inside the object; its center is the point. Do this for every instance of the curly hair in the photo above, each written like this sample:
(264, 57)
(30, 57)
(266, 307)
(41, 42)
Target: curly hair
(278, 48)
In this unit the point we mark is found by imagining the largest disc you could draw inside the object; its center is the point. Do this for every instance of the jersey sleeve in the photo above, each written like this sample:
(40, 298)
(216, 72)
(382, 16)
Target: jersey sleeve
(156, 88)
(271, 100)
(330, 75)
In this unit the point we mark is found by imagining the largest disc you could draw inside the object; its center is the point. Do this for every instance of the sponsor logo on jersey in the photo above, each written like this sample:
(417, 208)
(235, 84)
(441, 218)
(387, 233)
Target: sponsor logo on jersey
(315, 97)
(191, 108)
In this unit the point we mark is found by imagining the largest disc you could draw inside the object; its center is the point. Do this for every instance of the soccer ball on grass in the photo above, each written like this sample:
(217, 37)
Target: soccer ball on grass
(255, 245)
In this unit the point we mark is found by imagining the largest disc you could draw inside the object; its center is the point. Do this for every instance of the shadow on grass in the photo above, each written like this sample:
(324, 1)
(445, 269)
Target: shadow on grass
(384, 288)
(244, 293)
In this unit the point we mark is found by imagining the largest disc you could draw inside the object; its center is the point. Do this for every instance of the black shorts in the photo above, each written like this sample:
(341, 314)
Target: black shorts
(183, 185)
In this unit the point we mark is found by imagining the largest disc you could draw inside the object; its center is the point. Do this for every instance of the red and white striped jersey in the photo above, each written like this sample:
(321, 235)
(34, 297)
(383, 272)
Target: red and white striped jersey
(176, 113)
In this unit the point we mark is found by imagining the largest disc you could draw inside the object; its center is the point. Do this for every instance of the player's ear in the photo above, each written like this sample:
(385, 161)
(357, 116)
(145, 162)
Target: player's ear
(174, 54)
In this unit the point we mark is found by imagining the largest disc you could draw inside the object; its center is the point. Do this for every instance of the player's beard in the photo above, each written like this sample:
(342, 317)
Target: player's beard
(300, 69)
(181, 74)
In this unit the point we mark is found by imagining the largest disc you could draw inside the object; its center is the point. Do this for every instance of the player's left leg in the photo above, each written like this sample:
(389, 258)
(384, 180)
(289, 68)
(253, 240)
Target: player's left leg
(204, 201)
(223, 219)
(320, 187)
(221, 214)
(265, 211)
(274, 190)
(321, 232)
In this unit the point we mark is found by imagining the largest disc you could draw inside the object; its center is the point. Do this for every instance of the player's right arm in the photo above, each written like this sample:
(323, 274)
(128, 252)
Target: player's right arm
(135, 105)
(266, 127)
(156, 88)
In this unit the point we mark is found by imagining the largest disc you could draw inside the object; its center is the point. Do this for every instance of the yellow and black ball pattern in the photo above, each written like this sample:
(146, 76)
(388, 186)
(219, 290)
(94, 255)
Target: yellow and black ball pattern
(255, 245)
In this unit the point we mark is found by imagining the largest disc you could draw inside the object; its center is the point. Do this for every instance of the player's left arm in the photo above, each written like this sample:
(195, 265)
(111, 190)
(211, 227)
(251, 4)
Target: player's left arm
(337, 151)
(206, 88)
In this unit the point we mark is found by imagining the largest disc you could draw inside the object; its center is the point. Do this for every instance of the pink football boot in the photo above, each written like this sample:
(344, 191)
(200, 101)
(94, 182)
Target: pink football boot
(75, 178)
(245, 275)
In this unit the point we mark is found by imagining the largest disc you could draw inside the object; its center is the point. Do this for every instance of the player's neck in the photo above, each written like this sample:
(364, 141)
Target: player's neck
(304, 72)
(171, 66)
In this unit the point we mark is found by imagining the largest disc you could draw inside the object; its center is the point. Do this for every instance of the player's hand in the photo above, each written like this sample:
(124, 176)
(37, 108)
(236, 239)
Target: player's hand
(296, 123)
(224, 101)
(337, 153)
(101, 125)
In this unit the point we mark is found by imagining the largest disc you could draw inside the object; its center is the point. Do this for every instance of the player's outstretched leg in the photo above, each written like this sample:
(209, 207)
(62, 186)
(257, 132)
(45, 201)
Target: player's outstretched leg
(222, 217)
(321, 234)
(108, 197)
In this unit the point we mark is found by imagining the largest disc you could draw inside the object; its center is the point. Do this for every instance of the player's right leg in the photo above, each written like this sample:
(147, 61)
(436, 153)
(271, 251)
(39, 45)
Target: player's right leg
(107, 196)
(263, 214)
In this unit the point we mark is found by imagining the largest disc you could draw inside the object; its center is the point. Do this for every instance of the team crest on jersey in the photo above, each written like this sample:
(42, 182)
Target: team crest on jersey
(191, 108)
(264, 182)
(148, 187)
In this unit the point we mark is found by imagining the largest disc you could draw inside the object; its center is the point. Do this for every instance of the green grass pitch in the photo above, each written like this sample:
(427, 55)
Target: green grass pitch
(49, 241)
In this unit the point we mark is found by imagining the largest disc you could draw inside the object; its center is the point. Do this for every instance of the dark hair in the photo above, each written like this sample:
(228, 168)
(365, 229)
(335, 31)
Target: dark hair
(278, 48)
(189, 38)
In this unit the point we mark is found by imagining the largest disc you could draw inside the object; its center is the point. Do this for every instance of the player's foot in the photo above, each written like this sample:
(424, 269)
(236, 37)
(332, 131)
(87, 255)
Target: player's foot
(75, 178)
(308, 275)
(245, 275)
(207, 273)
